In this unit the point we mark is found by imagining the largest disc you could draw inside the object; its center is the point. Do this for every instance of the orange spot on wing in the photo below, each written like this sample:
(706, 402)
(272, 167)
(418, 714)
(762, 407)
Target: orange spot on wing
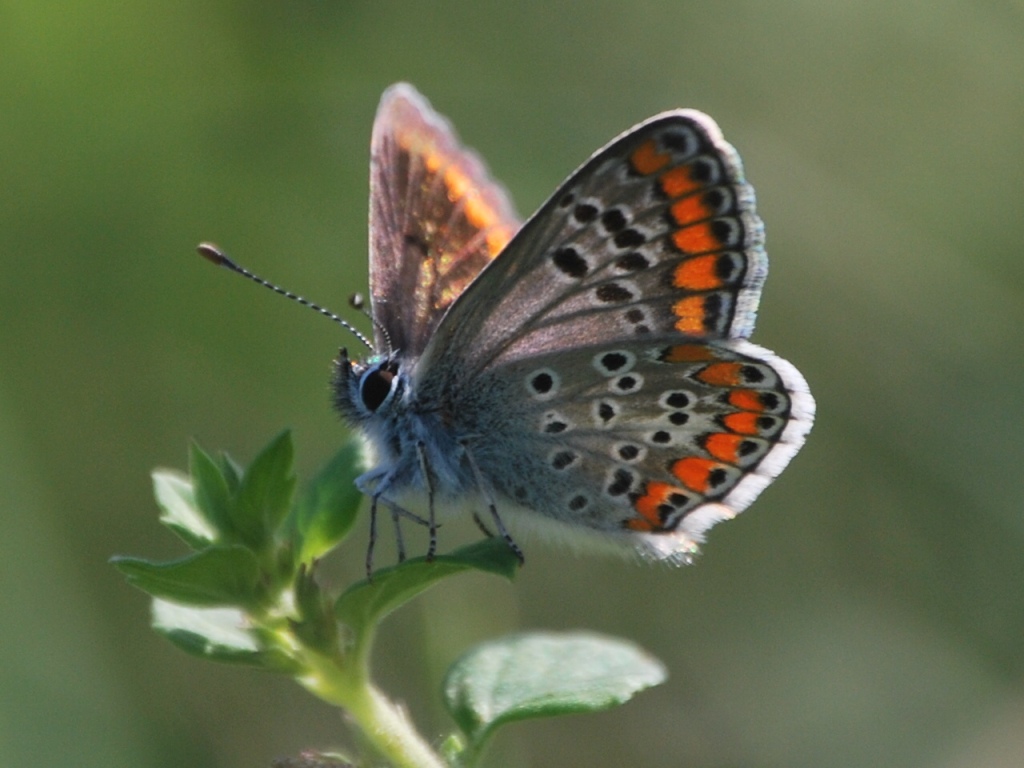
(747, 399)
(478, 213)
(689, 210)
(497, 239)
(433, 162)
(655, 494)
(457, 182)
(696, 238)
(694, 473)
(686, 353)
(691, 314)
(699, 274)
(743, 423)
(724, 446)
(721, 374)
(678, 181)
(646, 158)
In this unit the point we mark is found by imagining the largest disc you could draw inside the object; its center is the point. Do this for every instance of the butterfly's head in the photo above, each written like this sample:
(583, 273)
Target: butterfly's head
(363, 388)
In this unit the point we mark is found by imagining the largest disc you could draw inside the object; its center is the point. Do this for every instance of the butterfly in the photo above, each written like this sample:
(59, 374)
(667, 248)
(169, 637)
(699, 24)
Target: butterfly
(585, 374)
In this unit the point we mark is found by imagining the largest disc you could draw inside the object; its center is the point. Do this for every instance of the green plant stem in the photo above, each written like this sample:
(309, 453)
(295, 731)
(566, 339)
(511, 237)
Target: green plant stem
(388, 727)
(383, 723)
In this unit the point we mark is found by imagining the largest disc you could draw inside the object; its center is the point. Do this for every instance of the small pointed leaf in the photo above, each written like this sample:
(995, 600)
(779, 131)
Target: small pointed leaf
(179, 512)
(219, 575)
(542, 675)
(218, 634)
(327, 510)
(265, 492)
(453, 749)
(314, 625)
(232, 472)
(210, 489)
(364, 604)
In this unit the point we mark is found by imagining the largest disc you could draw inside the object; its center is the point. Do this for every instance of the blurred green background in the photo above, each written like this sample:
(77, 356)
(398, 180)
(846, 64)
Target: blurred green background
(867, 611)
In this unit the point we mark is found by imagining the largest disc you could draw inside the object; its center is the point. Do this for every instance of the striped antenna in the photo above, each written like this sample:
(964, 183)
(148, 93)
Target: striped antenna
(358, 302)
(215, 255)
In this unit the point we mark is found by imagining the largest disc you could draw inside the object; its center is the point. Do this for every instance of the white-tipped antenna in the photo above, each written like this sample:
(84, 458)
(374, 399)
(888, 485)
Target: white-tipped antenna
(357, 302)
(215, 255)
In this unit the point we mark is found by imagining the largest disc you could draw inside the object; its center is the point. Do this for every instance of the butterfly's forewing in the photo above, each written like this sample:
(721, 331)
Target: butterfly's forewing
(436, 219)
(656, 233)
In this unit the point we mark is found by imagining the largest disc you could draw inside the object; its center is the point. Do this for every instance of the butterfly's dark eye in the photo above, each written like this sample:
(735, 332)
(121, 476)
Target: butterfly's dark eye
(375, 387)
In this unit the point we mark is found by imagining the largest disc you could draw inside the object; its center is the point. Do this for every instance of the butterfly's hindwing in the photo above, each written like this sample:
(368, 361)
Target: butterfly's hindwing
(633, 439)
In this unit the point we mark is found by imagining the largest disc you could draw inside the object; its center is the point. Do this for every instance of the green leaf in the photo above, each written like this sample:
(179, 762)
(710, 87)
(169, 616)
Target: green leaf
(232, 472)
(265, 493)
(327, 510)
(218, 575)
(542, 675)
(218, 634)
(364, 604)
(315, 625)
(177, 502)
(452, 749)
(210, 490)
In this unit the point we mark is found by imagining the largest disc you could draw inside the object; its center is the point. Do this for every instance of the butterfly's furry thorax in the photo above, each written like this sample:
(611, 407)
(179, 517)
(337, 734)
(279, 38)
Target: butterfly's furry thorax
(404, 428)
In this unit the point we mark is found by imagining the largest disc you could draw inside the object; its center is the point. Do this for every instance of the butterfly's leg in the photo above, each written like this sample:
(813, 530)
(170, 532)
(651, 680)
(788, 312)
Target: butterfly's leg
(491, 506)
(380, 482)
(372, 483)
(482, 526)
(373, 538)
(399, 541)
(397, 513)
(428, 482)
